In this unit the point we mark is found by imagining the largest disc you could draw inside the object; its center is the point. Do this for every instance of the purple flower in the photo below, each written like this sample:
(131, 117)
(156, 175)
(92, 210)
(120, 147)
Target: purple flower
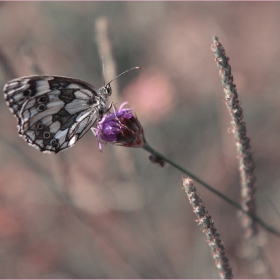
(120, 127)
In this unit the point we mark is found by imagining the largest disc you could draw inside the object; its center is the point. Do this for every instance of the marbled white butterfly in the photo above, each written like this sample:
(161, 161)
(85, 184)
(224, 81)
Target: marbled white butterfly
(54, 112)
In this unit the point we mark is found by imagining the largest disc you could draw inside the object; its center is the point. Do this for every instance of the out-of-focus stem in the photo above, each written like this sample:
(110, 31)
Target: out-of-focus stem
(109, 67)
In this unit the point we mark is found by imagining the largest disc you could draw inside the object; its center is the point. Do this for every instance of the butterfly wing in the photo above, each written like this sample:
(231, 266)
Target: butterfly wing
(53, 112)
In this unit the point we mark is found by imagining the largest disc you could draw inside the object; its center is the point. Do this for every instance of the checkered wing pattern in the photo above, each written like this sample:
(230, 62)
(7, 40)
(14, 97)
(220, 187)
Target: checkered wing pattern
(54, 112)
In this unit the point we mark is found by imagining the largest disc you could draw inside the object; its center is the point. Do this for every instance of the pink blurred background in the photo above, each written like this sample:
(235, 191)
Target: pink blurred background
(86, 214)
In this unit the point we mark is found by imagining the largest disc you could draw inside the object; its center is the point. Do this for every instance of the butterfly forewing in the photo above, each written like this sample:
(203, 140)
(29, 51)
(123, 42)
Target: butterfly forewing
(54, 112)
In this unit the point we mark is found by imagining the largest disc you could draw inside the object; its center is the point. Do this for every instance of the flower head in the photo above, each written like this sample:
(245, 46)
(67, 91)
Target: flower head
(120, 127)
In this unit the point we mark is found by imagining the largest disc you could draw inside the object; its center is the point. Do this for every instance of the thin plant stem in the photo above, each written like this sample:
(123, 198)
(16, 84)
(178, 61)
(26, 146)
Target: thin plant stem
(272, 230)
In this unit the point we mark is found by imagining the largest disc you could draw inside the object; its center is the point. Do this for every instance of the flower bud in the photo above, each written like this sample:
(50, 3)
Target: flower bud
(120, 127)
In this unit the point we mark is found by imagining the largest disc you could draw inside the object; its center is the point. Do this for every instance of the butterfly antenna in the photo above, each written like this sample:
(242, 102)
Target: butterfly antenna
(124, 73)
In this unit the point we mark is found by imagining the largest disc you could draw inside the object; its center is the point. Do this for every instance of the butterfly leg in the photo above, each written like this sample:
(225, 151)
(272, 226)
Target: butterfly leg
(110, 107)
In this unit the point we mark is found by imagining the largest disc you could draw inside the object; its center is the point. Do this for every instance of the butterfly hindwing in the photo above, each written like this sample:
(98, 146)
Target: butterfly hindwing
(53, 112)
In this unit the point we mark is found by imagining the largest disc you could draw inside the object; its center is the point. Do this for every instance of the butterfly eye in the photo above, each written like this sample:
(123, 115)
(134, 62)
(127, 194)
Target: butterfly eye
(27, 92)
(46, 135)
(42, 99)
(40, 126)
(54, 143)
(108, 89)
(41, 107)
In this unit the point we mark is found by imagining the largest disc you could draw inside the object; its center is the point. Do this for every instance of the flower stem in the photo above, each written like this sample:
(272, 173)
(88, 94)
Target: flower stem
(149, 149)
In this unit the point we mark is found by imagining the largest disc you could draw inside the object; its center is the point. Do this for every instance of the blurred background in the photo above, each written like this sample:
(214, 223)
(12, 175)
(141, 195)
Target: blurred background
(86, 214)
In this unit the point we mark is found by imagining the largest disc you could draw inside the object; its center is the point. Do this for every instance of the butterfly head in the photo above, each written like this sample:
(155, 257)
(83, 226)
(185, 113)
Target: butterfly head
(108, 89)
(105, 91)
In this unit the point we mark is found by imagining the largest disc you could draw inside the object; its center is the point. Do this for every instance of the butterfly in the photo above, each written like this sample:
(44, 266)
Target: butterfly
(54, 112)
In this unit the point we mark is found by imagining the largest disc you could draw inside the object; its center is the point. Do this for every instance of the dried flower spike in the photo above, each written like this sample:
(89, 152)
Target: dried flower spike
(120, 127)
(246, 163)
(206, 225)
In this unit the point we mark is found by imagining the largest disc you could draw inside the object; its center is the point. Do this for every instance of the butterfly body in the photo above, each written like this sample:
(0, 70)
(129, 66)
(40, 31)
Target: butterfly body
(54, 112)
